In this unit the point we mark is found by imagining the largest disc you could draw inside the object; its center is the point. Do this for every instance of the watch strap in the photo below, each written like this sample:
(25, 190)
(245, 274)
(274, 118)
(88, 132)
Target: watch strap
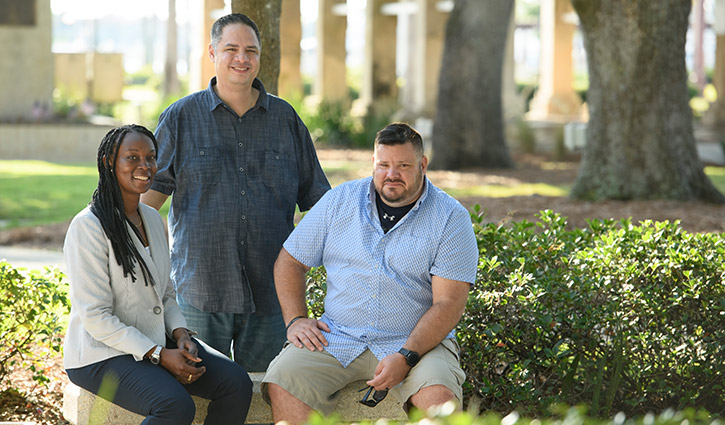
(156, 355)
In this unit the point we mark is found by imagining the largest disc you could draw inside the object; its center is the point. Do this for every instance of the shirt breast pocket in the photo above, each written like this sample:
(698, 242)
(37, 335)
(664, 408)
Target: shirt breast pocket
(204, 165)
(279, 170)
(412, 255)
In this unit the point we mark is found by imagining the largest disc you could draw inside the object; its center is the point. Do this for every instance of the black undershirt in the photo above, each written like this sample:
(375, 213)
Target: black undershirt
(388, 215)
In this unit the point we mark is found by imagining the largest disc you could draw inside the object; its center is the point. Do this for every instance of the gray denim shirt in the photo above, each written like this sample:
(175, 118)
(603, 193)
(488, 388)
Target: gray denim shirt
(235, 182)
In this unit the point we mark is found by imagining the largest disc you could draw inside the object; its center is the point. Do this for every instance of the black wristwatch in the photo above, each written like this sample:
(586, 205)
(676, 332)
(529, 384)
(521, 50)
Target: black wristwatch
(411, 357)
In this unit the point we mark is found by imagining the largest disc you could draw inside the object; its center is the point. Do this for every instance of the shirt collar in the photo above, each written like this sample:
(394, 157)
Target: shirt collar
(213, 100)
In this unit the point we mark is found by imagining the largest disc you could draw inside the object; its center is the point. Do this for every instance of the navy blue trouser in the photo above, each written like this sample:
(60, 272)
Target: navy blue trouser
(151, 391)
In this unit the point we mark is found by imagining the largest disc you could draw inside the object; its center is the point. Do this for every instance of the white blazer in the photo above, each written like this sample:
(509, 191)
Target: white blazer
(111, 315)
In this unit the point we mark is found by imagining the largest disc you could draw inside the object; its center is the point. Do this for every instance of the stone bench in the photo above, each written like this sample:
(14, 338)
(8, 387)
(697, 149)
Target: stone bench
(81, 407)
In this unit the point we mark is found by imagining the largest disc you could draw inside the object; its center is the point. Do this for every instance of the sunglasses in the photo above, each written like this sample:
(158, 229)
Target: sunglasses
(377, 396)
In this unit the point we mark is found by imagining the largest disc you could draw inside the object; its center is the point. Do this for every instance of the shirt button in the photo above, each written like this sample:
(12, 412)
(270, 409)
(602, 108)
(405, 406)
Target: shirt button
(157, 310)
(244, 217)
(241, 169)
(244, 193)
(241, 242)
(276, 157)
(201, 153)
(241, 144)
(239, 119)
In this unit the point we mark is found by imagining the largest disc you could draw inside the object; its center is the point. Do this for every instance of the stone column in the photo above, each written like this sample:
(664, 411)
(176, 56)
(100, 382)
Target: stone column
(379, 79)
(330, 83)
(513, 106)
(556, 95)
(718, 75)
(209, 15)
(431, 25)
(290, 28)
(26, 71)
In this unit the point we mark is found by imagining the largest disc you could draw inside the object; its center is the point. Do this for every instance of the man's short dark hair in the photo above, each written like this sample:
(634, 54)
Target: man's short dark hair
(233, 18)
(399, 133)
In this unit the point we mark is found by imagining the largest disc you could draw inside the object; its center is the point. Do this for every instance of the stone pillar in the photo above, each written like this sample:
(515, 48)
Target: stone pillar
(379, 78)
(718, 75)
(330, 81)
(698, 30)
(26, 71)
(556, 96)
(429, 41)
(290, 28)
(209, 15)
(513, 107)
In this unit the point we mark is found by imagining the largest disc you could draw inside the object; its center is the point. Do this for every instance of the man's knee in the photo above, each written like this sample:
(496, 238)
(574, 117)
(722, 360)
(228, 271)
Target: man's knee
(431, 396)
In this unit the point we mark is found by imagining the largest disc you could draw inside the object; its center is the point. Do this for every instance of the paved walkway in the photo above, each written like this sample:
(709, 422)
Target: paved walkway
(32, 258)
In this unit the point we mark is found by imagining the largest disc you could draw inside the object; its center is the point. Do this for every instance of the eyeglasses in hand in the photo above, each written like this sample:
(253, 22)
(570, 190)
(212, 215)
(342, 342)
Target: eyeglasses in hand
(377, 396)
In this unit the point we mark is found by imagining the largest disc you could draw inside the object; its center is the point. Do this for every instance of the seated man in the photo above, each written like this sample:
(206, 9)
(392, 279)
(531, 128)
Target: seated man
(400, 255)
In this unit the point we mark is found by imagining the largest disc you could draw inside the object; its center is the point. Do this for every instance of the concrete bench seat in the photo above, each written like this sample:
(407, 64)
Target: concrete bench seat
(81, 407)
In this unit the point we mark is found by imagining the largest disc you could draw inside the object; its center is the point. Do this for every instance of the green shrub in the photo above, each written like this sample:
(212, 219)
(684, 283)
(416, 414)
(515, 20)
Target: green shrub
(445, 415)
(33, 306)
(616, 316)
(332, 124)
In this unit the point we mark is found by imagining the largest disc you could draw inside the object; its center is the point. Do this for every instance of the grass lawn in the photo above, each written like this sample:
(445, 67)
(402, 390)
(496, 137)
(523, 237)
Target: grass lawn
(39, 192)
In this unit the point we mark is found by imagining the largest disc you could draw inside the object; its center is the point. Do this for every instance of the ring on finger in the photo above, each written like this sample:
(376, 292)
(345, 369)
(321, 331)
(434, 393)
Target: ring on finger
(189, 378)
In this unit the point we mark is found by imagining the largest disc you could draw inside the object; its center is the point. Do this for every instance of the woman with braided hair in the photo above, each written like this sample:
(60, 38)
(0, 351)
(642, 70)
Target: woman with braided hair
(127, 339)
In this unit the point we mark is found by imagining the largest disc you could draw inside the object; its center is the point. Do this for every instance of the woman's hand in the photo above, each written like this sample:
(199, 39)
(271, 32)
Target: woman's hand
(184, 342)
(181, 363)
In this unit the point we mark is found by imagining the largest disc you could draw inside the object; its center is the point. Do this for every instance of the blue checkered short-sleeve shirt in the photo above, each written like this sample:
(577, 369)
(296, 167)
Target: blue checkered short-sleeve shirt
(379, 284)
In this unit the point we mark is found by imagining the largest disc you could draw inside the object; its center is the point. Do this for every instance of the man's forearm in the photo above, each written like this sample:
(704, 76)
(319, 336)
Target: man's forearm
(433, 327)
(154, 199)
(289, 280)
(449, 303)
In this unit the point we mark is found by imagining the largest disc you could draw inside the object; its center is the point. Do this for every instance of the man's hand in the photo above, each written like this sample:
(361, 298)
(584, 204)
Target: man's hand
(390, 372)
(306, 332)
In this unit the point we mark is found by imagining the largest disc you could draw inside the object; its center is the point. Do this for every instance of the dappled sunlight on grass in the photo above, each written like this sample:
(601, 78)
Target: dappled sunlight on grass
(717, 176)
(559, 165)
(498, 191)
(40, 192)
(44, 168)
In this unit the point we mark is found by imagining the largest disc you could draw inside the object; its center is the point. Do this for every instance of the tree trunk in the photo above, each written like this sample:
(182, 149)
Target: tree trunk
(468, 127)
(171, 76)
(640, 142)
(266, 14)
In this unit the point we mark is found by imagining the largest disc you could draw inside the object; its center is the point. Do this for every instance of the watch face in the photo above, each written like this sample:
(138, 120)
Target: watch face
(156, 355)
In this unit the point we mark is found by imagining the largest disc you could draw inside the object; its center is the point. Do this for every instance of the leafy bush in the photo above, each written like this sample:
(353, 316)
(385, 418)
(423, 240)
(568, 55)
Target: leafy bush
(446, 415)
(616, 316)
(33, 306)
(332, 124)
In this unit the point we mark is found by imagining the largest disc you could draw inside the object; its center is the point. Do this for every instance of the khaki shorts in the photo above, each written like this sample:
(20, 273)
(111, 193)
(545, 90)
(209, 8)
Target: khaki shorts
(315, 377)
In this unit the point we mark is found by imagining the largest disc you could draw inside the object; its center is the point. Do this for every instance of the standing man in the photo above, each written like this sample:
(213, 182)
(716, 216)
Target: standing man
(236, 160)
(400, 256)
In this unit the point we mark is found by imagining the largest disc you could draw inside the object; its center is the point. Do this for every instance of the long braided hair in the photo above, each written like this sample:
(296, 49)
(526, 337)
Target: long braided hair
(107, 202)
